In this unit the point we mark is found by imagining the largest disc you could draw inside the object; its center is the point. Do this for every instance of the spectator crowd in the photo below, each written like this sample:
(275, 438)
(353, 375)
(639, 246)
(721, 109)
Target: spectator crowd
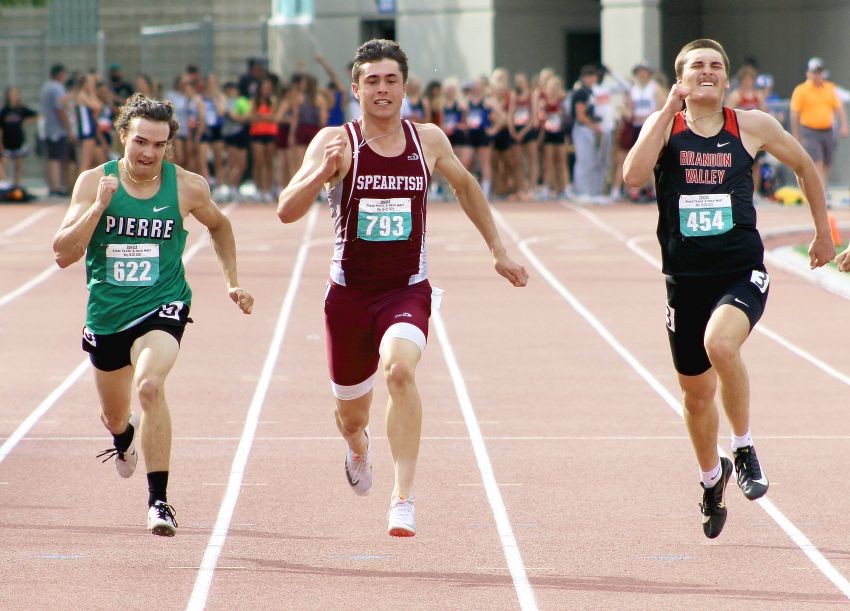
(526, 137)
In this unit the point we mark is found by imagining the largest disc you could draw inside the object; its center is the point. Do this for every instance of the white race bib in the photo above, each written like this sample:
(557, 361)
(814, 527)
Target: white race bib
(705, 214)
(384, 220)
(132, 264)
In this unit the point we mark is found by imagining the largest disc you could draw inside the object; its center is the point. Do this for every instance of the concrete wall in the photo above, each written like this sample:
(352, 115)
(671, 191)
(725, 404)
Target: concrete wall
(532, 35)
(458, 44)
(631, 32)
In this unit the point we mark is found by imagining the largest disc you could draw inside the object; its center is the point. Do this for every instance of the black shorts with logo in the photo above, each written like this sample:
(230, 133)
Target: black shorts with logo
(691, 300)
(110, 352)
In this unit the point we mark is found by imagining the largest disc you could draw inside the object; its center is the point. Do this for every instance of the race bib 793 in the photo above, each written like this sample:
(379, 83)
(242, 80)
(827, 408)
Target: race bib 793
(384, 220)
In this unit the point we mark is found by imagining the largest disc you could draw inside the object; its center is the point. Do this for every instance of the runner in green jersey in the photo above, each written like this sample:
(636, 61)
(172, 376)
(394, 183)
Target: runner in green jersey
(126, 217)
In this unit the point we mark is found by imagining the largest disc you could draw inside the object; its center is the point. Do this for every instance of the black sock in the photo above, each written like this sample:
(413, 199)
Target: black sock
(122, 441)
(157, 483)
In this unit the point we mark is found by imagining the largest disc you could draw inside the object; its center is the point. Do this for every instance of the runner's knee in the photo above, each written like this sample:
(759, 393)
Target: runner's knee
(114, 422)
(150, 390)
(721, 351)
(352, 423)
(399, 376)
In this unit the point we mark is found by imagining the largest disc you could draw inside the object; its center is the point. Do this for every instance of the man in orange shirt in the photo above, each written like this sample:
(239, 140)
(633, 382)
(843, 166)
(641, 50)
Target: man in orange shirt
(814, 105)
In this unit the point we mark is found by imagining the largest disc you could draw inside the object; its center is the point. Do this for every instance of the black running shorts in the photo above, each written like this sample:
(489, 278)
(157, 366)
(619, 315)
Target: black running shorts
(691, 300)
(110, 352)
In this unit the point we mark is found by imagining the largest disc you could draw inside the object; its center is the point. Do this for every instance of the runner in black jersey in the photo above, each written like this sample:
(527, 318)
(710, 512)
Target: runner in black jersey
(712, 253)
(376, 170)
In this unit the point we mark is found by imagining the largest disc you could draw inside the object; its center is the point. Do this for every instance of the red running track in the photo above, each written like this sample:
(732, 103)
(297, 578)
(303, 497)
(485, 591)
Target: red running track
(554, 473)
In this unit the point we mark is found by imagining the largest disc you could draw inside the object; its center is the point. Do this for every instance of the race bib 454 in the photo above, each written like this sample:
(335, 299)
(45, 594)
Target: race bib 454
(705, 214)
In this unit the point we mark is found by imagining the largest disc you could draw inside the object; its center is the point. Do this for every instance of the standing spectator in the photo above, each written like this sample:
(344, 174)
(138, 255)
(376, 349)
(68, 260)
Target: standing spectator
(592, 134)
(814, 105)
(290, 100)
(504, 159)
(57, 131)
(523, 128)
(263, 132)
(603, 103)
(250, 81)
(746, 96)
(454, 121)
(414, 106)
(121, 89)
(237, 115)
(212, 142)
(104, 122)
(13, 116)
(310, 116)
(88, 109)
(644, 97)
(553, 136)
(352, 108)
(337, 94)
(481, 113)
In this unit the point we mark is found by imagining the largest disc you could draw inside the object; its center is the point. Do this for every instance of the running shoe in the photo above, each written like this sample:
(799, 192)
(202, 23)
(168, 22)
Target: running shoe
(751, 478)
(400, 518)
(161, 519)
(358, 468)
(713, 504)
(125, 461)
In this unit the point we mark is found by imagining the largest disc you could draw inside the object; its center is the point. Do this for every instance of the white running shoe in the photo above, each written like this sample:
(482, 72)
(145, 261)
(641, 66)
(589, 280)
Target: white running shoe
(358, 468)
(400, 518)
(161, 519)
(125, 462)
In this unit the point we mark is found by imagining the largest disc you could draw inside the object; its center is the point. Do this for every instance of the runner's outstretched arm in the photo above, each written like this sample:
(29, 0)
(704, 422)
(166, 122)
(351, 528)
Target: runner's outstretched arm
(790, 152)
(210, 216)
(474, 204)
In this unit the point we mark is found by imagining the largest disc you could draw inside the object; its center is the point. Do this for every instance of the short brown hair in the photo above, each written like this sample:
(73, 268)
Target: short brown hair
(138, 105)
(375, 50)
(700, 43)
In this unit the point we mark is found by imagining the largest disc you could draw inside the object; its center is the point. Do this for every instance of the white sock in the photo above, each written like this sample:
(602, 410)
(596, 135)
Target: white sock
(743, 441)
(710, 478)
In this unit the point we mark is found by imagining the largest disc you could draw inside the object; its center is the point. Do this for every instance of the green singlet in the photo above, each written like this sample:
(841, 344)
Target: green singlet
(134, 261)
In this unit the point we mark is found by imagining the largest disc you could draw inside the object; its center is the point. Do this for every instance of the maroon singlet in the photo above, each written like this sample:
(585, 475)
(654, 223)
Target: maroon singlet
(379, 215)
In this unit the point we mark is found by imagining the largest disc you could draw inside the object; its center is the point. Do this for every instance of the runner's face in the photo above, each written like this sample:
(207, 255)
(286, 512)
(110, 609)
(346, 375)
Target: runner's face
(144, 146)
(381, 88)
(705, 74)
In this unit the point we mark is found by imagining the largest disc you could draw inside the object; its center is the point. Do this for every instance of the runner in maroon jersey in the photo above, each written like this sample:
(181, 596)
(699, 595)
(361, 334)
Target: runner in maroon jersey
(377, 171)
(712, 253)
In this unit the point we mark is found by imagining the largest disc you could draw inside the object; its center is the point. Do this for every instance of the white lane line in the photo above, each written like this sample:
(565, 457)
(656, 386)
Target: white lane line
(42, 409)
(503, 524)
(203, 581)
(19, 433)
(26, 222)
(28, 285)
(817, 558)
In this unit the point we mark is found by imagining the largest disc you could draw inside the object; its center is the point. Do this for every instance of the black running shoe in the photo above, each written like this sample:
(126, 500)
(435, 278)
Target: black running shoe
(713, 504)
(751, 478)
